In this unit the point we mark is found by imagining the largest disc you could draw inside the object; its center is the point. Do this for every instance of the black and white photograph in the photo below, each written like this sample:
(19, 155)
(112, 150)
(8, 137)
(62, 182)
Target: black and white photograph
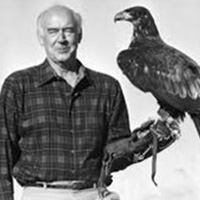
(100, 100)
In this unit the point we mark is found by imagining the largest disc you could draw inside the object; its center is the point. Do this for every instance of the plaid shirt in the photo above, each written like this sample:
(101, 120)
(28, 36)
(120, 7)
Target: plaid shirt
(50, 131)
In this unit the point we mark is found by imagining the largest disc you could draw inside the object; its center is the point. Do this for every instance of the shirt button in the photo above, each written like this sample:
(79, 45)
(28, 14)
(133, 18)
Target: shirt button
(73, 151)
(72, 131)
(76, 94)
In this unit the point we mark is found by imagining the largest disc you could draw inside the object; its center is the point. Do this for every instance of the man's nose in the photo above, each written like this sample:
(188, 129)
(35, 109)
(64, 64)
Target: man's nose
(62, 36)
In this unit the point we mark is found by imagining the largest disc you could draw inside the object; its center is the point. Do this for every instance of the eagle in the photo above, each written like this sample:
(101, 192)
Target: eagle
(154, 66)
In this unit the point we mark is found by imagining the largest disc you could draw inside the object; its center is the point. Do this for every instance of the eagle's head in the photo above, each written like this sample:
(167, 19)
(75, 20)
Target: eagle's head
(141, 19)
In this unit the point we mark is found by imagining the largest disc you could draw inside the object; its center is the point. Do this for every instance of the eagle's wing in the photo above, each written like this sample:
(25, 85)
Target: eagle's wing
(161, 68)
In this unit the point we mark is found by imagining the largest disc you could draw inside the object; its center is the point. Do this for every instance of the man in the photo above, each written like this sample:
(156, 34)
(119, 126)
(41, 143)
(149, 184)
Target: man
(56, 118)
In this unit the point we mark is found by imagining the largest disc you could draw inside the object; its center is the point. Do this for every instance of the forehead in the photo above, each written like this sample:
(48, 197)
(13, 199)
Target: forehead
(58, 17)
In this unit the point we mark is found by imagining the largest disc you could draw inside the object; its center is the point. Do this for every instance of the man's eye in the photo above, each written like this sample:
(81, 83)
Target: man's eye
(52, 31)
(69, 30)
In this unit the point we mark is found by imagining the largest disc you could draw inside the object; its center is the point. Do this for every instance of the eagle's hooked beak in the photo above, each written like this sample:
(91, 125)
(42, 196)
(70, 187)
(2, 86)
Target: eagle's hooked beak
(122, 16)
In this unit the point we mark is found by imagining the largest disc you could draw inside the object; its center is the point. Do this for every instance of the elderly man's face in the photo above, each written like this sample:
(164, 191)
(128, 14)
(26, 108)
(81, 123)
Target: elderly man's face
(59, 36)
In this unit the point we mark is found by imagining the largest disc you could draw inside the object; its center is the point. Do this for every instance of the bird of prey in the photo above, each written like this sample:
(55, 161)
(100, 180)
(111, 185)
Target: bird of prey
(152, 65)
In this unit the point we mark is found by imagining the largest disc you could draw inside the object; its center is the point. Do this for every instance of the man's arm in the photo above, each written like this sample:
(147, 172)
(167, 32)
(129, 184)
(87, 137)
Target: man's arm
(118, 125)
(119, 120)
(9, 151)
(123, 149)
(145, 141)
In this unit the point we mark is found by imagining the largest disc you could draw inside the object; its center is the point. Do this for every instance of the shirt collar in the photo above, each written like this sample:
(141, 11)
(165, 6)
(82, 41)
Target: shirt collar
(47, 74)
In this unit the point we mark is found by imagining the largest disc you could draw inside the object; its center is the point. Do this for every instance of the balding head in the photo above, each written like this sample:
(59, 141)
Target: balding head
(50, 12)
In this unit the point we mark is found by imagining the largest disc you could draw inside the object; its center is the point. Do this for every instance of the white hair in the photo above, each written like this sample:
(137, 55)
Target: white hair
(77, 17)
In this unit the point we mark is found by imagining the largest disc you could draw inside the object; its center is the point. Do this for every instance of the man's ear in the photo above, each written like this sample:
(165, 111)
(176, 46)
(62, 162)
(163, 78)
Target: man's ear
(80, 37)
(40, 37)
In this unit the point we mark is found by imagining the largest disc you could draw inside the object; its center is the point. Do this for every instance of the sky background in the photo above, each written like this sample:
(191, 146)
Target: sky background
(178, 167)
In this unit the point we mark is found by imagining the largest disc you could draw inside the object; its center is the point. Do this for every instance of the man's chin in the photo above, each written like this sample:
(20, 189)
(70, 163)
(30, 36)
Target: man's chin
(63, 58)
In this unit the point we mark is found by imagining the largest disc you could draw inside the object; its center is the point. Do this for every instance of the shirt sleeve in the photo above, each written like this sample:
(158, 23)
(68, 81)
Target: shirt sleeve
(119, 120)
(9, 150)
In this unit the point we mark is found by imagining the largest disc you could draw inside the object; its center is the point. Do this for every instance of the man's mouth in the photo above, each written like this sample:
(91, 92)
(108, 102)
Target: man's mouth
(63, 49)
